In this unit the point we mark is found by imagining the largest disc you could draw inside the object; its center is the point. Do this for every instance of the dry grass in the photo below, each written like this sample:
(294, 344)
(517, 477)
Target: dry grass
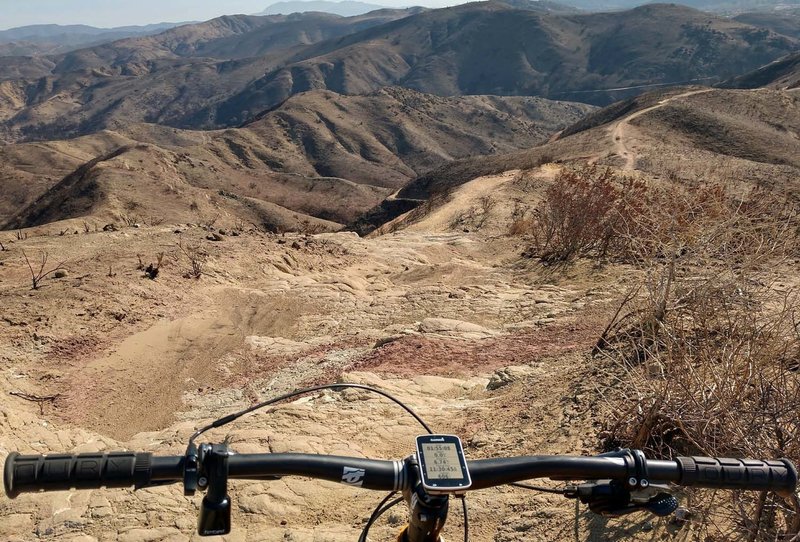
(708, 344)
(196, 256)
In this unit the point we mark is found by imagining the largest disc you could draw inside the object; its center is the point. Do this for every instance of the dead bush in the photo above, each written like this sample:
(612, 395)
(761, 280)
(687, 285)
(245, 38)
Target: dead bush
(312, 228)
(718, 375)
(464, 219)
(129, 220)
(592, 212)
(197, 258)
(578, 213)
(708, 346)
(207, 221)
(521, 219)
(656, 223)
(37, 275)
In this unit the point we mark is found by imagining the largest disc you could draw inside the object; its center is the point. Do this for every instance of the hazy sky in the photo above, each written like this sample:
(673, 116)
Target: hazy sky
(108, 13)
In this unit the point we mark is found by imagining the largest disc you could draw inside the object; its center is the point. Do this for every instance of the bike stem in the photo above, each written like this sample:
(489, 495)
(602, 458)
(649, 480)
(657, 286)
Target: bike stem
(426, 513)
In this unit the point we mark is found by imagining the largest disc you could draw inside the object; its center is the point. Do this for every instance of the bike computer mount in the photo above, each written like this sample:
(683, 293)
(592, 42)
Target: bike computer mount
(442, 466)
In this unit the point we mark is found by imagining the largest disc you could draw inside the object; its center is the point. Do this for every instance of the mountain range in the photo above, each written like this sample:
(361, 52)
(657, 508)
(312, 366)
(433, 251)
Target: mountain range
(229, 70)
(314, 118)
(345, 8)
(727, 7)
(318, 158)
(54, 39)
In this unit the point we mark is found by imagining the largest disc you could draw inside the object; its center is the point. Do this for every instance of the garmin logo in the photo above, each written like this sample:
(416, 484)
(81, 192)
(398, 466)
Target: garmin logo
(353, 476)
(437, 439)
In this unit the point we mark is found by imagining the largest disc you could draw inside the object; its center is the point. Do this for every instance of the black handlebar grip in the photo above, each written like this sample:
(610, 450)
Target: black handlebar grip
(24, 473)
(719, 472)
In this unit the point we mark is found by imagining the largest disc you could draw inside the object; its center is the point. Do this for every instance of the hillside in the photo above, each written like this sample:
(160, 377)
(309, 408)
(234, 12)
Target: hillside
(319, 154)
(741, 138)
(389, 137)
(782, 73)
(454, 51)
(785, 21)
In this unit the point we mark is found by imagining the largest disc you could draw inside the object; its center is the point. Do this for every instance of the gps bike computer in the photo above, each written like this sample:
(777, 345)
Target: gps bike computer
(442, 466)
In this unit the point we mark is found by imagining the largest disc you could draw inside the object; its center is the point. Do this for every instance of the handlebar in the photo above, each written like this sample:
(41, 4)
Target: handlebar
(30, 473)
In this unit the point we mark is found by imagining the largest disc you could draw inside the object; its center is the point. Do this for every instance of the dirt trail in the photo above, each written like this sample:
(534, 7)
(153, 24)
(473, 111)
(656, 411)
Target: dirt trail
(432, 316)
(620, 132)
(140, 385)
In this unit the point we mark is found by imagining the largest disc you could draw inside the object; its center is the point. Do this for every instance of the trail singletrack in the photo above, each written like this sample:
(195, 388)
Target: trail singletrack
(620, 133)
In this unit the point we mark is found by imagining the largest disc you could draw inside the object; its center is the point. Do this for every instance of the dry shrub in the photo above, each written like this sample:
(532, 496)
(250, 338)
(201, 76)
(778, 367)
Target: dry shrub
(520, 226)
(521, 220)
(38, 275)
(592, 212)
(578, 213)
(196, 256)
(706, 220)
(475, 216)
(129, 220)
(312, 228)
(709, 345)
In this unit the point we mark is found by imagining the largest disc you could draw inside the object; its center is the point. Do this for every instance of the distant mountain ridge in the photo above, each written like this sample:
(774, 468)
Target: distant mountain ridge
(55, 39)
(489, 48)
(345, 8)
(727, 7)
(227, 71)
(783, 73)
(786, 22)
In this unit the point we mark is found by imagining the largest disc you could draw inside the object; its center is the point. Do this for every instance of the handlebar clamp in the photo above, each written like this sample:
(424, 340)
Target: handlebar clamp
(636, 463)
(215, 511)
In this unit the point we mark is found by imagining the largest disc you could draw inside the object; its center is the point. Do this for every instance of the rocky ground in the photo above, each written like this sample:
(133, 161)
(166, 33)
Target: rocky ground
(479, 340)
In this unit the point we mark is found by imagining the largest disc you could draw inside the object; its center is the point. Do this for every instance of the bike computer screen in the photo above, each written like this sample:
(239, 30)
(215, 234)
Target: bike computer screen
(441, 464)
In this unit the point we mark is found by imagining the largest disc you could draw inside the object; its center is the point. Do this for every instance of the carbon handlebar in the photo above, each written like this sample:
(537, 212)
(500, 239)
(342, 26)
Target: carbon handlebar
(30, 473)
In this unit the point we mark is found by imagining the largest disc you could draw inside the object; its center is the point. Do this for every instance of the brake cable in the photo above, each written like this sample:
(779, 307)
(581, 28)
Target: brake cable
(378, 512)
(192, 455)
(231, 417)
(466, 517)
(539, 488)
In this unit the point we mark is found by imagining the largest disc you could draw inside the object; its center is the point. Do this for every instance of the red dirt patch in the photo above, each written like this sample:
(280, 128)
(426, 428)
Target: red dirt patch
(415, 355)
(75, 347)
